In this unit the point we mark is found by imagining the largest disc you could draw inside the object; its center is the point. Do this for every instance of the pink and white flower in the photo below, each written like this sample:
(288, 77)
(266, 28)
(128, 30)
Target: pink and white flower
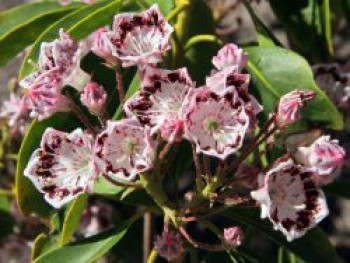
(233, 236)
(290, 105)
(94, 97)
(217, 125)
(161, 101)
(124, 150)
(140, 39)
(102, 47)
(325, 156)
(168, 244)
(14, 109)
(62, 168)
(230, 55)
(290, 198)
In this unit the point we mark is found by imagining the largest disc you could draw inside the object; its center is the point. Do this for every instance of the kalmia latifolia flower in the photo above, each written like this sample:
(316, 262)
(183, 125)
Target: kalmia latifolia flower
(62, 168)
(217, 125)
(161, 101)
(102, 47)
(94, 97)
(233, 236)
(14, 109)
(324, 156)
(290, 198)
(290, 105)
(140, 39)
(168, 244)
(124, 149)
(59, 65)
(230, 55)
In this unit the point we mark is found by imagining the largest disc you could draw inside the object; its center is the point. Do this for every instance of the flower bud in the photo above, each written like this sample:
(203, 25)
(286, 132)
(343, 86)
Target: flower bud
(233, 236)
(289, 106)
(168, 244)
(94, 98)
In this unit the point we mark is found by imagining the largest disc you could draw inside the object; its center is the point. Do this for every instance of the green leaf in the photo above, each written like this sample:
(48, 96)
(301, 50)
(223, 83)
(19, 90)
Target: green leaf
(72, 218)
(314, 240)
(276, 71)
(20, 26)
(78, 24)
(103, 187)
(307, 25)
(28, 198)
(340, 188)
(89, 249)
(43, 244)
(265, 36)
(285, 256)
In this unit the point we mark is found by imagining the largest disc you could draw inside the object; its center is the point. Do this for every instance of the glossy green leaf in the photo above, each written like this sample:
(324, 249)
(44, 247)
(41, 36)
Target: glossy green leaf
(20, 26)
(103, 187)
(307, 25)
(78, 24)
(265, 36)
(314, 240)
(43, 244)
(89, 249)
(28, 198)
(339, 188)
(276, 71)
(72, 218)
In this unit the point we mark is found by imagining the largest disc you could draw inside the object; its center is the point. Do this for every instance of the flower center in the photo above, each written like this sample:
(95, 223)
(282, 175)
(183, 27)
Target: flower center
(277, 194)
(211, 124)
(129, 145)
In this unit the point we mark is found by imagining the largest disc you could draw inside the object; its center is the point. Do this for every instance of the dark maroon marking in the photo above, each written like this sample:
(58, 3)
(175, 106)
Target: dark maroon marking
(303, 220)
(288, 224)
(50, 190)
(174, 76)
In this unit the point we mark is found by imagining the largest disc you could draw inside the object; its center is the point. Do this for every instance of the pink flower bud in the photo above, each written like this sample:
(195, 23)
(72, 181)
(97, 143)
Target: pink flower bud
(233, 236)
(94, 98)
(324, 156)
(289, 106)
(230, 55)
(168, 244)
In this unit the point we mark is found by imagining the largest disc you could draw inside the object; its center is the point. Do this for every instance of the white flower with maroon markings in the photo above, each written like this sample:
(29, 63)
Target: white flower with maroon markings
(290, 105)
(325, 156)
(290, 198)
(62, 168)
(124, 149)
(102, 46)
(230, 55)
(217, 125)
(162, 100)
(140, 39)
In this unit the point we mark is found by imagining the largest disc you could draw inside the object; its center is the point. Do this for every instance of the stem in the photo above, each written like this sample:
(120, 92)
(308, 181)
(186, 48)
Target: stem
(147, 235)
(165, 150)
(206, 164)
(155, 190)
(202, 38)
(328, 26)
(119, 79)
(83, 118)
(120, 184)
(153, 256)
(183, 20)
(198, 244)
(199, 181)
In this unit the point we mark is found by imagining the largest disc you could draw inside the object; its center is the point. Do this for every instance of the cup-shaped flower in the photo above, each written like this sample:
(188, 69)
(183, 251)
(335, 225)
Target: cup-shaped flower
(44, 96)
(140, 39)
(290, 198)
(102, 46)
(230, 55)
(168, 244)
(233, 236)
(94, 97)
(124, 149)
(216, 124)
(324, 156)
(62, 168)
(290, 105)
(161, 102)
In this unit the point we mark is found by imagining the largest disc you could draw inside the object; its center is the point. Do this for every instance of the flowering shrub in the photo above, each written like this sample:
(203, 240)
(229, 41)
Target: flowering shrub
(160, 113)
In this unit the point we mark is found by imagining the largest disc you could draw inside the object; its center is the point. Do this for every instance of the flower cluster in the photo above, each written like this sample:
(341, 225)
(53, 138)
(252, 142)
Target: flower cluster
(169, 109)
